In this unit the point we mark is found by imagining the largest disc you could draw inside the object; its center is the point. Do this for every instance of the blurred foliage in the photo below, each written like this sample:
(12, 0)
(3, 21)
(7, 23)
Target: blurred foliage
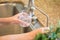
(52, 35)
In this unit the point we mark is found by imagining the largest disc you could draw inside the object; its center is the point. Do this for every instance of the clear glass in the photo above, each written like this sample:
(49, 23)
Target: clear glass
(24, 16)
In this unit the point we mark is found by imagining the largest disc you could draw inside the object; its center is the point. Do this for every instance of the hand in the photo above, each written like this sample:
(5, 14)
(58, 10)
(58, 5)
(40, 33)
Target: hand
(15, 19)
(41, 30)
(45, 29)
(25, 36)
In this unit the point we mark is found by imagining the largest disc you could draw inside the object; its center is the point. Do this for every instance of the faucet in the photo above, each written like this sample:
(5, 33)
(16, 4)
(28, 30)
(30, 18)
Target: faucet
(30, 10)
(34, 23)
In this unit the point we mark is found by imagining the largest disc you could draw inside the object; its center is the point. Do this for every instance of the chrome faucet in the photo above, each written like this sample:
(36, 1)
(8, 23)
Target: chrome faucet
(35, 23)
(30, 10)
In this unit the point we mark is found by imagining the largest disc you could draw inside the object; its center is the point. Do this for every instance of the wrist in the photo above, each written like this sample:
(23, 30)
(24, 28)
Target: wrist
(5, 20)
(34, 33)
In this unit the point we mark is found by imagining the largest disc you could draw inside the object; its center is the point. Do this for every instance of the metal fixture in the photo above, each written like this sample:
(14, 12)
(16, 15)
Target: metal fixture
(31, 7)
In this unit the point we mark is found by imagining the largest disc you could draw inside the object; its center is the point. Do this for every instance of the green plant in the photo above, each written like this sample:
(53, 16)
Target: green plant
(52, 35)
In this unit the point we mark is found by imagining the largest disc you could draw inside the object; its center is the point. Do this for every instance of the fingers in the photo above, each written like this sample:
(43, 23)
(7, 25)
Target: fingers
(22, 18)
(24, 24)
(41, 30)
(25, 19)
(45, 29)
(20, 22)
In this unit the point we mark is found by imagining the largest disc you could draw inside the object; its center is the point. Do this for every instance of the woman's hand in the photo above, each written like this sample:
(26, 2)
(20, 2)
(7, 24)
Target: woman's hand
(25, 36)
(15, 19)
(41, 30)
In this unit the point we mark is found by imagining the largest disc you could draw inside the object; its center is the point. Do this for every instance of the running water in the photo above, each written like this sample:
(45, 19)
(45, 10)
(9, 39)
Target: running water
(24, 17)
